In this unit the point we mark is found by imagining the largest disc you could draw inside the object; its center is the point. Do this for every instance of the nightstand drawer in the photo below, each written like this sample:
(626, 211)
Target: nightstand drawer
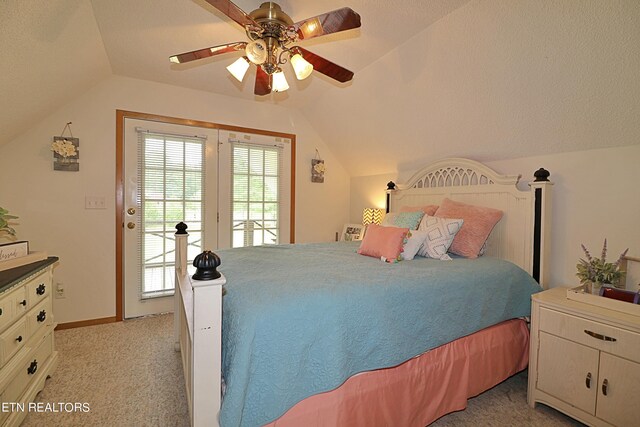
(603, 337)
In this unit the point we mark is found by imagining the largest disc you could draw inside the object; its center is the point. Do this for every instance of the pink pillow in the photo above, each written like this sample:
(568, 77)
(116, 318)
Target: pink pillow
(428, 209)
(478, 223)
(384, 242)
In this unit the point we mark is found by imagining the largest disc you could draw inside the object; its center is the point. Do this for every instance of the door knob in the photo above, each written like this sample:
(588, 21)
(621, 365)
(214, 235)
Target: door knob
(131, 225)
(131, 211)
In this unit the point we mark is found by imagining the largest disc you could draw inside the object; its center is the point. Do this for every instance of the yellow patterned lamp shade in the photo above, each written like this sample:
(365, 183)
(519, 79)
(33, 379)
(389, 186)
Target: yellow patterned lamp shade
(371, 216)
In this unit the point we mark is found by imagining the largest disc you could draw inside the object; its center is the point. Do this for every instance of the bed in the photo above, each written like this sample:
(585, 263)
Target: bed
(315, 349)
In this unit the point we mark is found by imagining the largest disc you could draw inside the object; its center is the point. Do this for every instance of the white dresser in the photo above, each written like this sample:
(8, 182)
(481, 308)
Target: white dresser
(27, 351)
(584, 360)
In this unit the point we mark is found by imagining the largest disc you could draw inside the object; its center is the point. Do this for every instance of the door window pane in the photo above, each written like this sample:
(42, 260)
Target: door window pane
(171, 191)
(255, 177)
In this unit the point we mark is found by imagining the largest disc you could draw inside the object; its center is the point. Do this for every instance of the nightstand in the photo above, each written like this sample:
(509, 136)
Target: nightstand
(584, 360)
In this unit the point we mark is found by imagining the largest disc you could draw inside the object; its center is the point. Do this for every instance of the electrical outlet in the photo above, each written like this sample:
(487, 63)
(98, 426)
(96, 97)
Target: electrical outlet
(94, 202)
(60, 290)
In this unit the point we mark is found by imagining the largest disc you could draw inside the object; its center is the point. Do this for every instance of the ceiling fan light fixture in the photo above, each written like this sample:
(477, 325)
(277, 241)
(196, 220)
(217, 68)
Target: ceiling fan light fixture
(279, 82)
(301, 66)
(257, 51)
(239, 68)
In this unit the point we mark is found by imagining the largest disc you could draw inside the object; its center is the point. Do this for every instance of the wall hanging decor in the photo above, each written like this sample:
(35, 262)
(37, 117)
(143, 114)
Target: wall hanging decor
(317, 169)
(66, 151)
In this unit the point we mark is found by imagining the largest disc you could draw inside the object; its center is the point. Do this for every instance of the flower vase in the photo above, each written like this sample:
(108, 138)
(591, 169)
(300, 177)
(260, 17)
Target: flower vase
(592, 288)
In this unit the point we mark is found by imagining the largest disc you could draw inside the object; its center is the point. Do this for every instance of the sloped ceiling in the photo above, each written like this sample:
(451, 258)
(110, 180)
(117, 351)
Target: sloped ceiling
(52, 51)
(56, 49)
(493, 80)
(483, 79)
(139, 36)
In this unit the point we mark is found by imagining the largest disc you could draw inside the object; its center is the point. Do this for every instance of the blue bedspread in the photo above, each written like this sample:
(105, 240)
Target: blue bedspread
(300, 319)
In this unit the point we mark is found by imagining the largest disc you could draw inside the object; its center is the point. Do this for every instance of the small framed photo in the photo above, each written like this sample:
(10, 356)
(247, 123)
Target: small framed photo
(352, 232)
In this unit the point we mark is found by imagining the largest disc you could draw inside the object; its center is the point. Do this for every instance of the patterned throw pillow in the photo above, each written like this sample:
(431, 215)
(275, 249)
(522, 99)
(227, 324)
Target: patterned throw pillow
(413, 243)
(440, 234)
(409, 220)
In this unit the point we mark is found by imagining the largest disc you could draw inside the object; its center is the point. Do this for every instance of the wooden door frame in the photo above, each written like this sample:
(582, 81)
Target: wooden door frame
(121, 115)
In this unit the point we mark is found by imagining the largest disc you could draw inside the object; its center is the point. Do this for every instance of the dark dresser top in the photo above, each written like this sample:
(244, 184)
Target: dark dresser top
(10, 277)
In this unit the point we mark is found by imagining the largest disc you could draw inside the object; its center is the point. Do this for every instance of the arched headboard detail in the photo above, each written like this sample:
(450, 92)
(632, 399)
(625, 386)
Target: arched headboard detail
(521, 234)
(455, 172)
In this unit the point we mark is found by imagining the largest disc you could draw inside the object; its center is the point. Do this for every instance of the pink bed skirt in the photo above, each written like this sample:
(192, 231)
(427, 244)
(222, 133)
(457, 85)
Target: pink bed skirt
(422, 389)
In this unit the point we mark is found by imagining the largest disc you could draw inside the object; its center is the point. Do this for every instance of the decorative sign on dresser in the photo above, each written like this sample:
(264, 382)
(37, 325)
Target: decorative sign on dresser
(584, 359)
(27, 350)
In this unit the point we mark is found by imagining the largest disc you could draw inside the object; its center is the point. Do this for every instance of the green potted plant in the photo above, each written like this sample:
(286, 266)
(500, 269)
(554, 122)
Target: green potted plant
(5, 228)
(596, 272)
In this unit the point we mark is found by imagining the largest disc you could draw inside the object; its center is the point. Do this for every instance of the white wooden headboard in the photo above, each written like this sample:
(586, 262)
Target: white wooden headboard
(521, 236)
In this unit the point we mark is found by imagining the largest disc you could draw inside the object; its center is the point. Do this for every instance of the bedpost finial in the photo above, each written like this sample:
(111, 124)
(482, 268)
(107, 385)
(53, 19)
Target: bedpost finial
(181, 227)
(206, 265)
(541, 175)
(391, 186)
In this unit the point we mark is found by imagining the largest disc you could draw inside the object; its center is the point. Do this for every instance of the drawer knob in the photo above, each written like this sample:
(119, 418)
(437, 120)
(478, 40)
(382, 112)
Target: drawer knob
(23, 302)
(32, 368)
(599, 336)
(19, 339)
(41, 316)
(588, 380)
(605, 386)
(40, 290)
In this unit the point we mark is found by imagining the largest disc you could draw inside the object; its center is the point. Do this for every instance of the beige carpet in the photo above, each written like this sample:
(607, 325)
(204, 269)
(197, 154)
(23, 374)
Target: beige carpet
(130, 375)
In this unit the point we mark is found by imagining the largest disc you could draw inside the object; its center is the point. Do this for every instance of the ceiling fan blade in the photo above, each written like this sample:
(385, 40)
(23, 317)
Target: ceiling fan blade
(263, 82)
(328, 23)
(233, 12)
(326, 67)
(207, 52)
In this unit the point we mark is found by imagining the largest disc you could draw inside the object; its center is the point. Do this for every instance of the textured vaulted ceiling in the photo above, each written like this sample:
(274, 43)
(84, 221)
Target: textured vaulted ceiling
(140, 35)
(487, 79)
(54, 50)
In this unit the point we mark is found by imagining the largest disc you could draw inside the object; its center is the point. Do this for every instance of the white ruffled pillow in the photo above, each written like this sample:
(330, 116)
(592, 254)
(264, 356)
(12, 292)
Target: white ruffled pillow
(439, 236)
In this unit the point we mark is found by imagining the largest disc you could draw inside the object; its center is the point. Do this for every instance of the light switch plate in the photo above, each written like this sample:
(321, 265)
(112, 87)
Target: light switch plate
(94, 202)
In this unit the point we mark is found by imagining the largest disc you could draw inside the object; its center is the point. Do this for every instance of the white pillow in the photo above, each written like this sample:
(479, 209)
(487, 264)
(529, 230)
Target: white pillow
(415, 241)
(440, 234)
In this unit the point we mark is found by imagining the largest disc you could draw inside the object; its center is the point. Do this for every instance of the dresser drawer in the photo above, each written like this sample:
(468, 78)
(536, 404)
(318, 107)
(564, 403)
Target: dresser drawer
(616, 341)
(6, 311)
(12, 340)
(28, 370)
(39, 316)
(38, 288)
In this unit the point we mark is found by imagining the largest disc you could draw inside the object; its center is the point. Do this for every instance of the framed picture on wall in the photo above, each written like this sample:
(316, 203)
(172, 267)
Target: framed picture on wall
(352, 232)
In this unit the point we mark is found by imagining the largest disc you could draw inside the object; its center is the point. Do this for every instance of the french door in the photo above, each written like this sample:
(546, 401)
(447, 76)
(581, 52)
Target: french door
(170, 176)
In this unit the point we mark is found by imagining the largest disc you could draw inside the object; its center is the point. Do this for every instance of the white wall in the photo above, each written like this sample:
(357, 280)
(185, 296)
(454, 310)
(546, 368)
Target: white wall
(596, 195)
(51, 204)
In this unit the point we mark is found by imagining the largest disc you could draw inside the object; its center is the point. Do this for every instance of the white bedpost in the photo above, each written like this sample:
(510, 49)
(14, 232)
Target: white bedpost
(198, 327)
(541, 189)
(181, 237)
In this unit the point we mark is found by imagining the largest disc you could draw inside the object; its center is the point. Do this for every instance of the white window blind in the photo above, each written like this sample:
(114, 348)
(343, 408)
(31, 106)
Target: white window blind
(257, 193)
(171, 178)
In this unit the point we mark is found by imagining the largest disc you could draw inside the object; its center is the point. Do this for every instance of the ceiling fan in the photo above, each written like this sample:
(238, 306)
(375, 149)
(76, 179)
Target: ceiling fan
(273, 34)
